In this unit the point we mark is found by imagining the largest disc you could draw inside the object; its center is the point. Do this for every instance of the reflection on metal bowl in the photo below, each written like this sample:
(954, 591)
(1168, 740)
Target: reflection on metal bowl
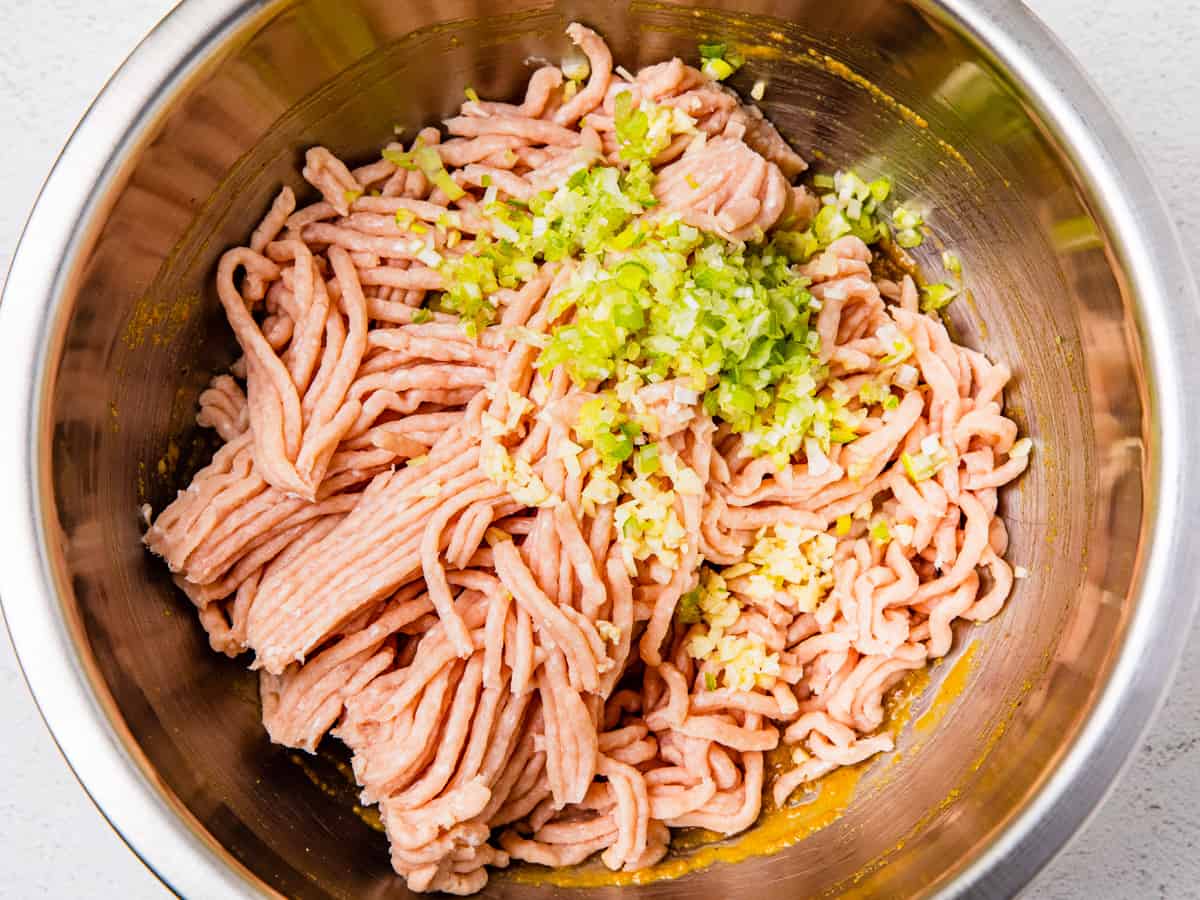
(110, 328)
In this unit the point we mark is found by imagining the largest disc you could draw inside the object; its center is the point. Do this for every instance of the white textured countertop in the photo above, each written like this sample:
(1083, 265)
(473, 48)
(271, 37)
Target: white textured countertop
(1144, 842)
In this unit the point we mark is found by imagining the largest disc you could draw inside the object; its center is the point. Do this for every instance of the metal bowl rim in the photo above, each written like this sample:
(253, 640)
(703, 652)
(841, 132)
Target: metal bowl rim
(172, 843)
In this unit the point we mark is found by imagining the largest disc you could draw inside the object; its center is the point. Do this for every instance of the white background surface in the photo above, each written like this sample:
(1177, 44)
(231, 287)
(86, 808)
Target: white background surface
(1144, 54)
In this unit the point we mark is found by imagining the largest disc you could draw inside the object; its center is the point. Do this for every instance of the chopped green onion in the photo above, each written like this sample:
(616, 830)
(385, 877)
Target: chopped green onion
(653, 299)
(935, 297)
(421, 316)
(602, 424)
(880, 533)
(351, 196)
(471, 95)
(842, 435)
(645, 130)
(843, 525)
(880, 188)
(717, 69)
(799, 246)
(632, 275)
(430, 164)
(908, 227)
(646, 462)
(688, 609)
(399, 158)
(710, 682)
(719, 61)
(830, 224)
(951, 263)
(924, 465)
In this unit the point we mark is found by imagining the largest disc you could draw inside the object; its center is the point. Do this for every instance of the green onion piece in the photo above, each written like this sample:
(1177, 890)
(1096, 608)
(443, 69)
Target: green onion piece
(935, 297)
(908, 227)
(717, 69)
(842, 435)
(471, 95)
(799, 246)
(688, 609)
(421, 316)
(646, 462)
(880, 533)
(712, 51)
(626, 238)
(824, 182)
(400, 159)
(951, 263)
(602, 424)
(830, 224)
(430, 164)
(891, 401)
(351, 196)
(922, 466)
(443, 182)
(710, 682)
(912, 467)
(632, 275)
(843, 525)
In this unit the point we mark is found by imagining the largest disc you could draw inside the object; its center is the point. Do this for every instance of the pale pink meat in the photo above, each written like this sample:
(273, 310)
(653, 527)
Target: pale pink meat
(724, 187)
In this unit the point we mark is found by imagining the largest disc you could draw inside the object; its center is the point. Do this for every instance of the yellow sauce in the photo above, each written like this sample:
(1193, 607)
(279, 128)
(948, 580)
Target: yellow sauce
(339, 784)
(983, 328)
(777, 828)
(847, 74)
(695, 849)
(158, 321)
(167, 462)
(950, 690)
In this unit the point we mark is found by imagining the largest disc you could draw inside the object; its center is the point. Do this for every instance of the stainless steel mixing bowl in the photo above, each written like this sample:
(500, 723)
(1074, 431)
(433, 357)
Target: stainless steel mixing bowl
(109, 328)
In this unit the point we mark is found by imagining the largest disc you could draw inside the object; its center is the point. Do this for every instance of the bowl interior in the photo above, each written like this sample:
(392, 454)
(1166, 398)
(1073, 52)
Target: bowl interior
(884, 87)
